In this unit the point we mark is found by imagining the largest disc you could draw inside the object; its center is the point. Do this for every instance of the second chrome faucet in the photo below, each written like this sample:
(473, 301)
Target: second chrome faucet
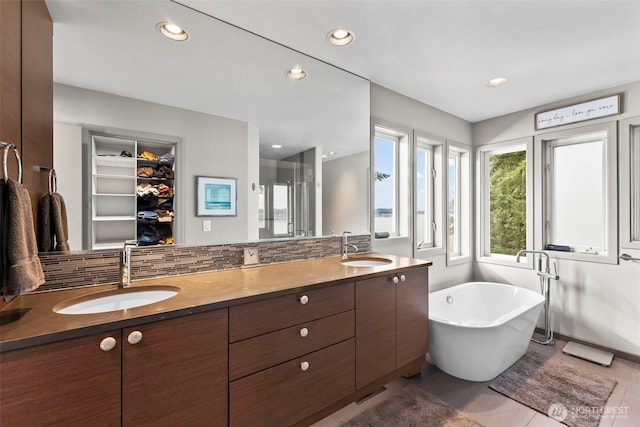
(346, 245)
(125, 263)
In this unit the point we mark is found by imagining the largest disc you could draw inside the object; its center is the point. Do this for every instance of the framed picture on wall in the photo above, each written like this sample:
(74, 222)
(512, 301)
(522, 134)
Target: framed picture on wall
(216, 196)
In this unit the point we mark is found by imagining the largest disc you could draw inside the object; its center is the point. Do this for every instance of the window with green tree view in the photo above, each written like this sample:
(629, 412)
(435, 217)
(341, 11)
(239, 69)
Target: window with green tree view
(508, 202)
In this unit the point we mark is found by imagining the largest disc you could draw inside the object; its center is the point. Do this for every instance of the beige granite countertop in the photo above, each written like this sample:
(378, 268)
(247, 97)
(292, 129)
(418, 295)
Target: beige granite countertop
(30, 320)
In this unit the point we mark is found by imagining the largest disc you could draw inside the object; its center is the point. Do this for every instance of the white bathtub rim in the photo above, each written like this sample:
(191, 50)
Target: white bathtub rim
(537, 298)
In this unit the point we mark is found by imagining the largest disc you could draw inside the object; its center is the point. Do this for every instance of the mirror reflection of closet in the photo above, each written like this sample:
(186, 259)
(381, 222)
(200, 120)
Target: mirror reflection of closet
(130, 191)
(228, 103)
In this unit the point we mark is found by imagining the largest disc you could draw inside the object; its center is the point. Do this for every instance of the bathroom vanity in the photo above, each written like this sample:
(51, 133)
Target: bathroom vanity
(236, 347)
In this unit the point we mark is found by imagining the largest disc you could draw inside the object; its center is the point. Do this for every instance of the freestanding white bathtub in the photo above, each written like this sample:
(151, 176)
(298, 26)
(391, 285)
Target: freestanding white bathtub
(479, 329)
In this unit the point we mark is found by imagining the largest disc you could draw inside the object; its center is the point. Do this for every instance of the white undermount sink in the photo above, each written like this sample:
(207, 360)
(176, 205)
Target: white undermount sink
(119, 299)
(366, 262)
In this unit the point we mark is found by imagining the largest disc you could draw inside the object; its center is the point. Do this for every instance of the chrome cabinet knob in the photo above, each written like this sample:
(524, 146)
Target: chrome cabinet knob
(304, 366)
(304, 299)
(107, 344)
(134, 337)
(402, 278)
(304, 332)
(395, 279)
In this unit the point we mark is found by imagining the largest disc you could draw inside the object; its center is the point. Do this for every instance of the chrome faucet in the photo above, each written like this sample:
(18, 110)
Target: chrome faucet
(545, 289)
(543, 273)
(345, 245)
(125, 263)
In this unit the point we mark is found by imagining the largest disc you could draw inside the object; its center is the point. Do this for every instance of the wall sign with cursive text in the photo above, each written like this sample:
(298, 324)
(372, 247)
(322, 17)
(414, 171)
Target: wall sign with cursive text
(579, 112)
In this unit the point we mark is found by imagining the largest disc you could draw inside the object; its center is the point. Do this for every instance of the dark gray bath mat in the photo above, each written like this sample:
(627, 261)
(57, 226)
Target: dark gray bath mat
(573, 396)
(411, 406)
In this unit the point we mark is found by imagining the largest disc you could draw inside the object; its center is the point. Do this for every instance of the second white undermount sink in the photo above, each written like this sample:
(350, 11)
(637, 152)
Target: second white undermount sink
(120, 299)
(366, 262)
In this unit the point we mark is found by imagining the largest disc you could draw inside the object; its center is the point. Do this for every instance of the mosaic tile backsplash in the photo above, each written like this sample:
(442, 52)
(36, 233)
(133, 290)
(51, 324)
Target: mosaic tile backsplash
(86, 268)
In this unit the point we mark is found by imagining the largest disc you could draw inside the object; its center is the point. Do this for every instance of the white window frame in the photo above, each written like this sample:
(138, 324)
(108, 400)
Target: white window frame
(435, 189)
(629, 166)
(463, 187)
(542, 196)
(402, 189)
(483, 243)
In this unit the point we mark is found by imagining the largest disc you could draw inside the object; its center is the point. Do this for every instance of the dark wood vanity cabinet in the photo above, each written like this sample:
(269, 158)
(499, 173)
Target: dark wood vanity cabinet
(391, 323)
(65, 383)
(291, 356)
(176, 374)
(282, 360)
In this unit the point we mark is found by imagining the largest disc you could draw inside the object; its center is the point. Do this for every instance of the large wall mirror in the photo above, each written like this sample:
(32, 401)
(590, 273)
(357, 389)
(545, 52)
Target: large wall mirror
(222, 100)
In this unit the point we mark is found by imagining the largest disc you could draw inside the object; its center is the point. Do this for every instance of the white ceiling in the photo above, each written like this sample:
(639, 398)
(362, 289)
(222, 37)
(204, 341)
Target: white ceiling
(441, 52)
(113, 46)
(438, 52)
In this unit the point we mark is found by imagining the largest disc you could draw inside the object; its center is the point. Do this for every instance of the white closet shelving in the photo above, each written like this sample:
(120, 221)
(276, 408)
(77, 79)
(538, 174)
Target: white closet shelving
(113, 183)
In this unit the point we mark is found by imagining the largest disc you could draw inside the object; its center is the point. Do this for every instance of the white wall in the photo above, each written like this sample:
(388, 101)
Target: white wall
(407, 113)
(594, 302)
(345, 189)
(67, 161)
(210, 146)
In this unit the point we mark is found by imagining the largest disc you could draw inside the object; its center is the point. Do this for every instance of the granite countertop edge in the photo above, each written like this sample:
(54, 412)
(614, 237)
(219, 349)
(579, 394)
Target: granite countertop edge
(30, 320)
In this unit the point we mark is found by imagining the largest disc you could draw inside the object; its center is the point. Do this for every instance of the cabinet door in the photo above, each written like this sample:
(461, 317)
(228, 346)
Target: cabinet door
(288, 393)
(72, 382)
(375, 329)
(177, 373)
(412, 307)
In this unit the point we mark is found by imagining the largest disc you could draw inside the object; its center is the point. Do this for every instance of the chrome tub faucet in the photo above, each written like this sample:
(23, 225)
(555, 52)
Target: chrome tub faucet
(541, 272)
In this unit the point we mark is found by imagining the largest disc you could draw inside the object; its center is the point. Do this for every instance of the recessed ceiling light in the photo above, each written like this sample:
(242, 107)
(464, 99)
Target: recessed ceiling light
(276, 146)
(296, 73)
(332, 153)
(341, 37)
(172, 31)
(498, 81)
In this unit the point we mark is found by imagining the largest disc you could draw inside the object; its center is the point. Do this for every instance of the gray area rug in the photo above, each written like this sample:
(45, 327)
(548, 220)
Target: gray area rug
(573, 396)
(411, 406)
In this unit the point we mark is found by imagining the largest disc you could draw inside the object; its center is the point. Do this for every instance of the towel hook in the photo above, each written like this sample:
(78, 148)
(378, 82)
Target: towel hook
(5, 159)
(53, 181)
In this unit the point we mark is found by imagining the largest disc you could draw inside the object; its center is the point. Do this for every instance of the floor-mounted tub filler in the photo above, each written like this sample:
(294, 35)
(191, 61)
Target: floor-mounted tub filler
(479, 329)
(581, 351)
(545, 275)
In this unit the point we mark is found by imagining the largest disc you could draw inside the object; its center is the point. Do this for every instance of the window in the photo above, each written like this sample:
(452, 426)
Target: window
(391, 184)
(634, 177)
(428, 193)
(504, 189)
(262, 207)
(508, 202)
(458, 203)
(580, 193)
(386, 184)
(281, 213)
(630, 183)
(576, 194)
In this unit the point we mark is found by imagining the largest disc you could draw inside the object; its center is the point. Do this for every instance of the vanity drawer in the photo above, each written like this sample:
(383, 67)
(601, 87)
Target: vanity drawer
(286, 394)
(264, 351)
(260, 317)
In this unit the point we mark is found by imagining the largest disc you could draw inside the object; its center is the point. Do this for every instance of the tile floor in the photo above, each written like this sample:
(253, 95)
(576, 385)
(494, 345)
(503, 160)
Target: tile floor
(492, 409)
